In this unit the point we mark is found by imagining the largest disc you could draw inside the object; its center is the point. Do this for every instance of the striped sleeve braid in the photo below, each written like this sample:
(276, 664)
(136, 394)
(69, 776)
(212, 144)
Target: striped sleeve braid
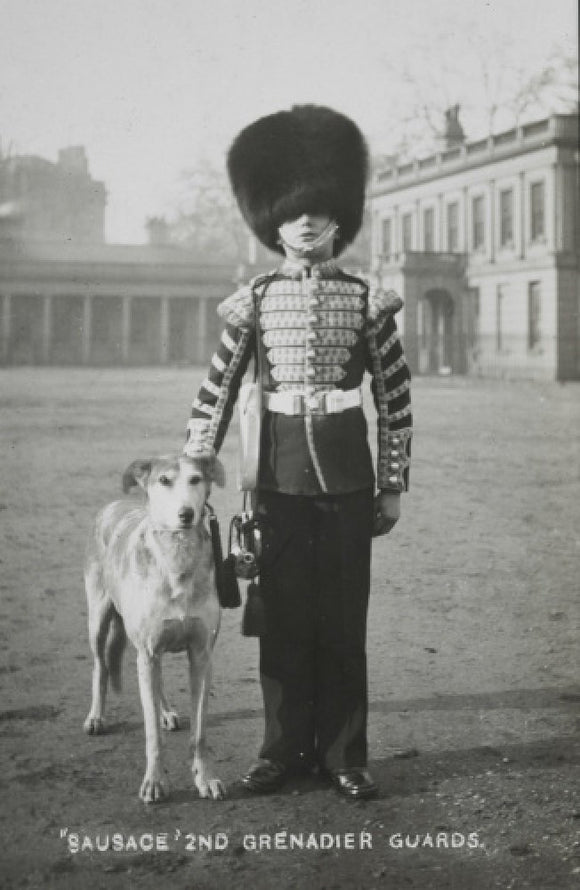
(214, 404)
(391, 392)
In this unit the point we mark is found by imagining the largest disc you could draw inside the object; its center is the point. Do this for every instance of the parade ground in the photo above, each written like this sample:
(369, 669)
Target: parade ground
(473, 646)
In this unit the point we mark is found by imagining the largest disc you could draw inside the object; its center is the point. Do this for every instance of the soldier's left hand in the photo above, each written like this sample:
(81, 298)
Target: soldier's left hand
(387, 510)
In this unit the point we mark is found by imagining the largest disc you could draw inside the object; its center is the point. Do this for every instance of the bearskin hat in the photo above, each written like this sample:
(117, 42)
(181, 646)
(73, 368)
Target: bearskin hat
(309, 159)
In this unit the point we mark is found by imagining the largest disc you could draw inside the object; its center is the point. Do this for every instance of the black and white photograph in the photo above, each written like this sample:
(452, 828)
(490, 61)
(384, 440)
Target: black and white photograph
(290, 437)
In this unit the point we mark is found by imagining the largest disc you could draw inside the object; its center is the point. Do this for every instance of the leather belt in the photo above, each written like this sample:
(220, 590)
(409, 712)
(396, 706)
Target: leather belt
(297, 403)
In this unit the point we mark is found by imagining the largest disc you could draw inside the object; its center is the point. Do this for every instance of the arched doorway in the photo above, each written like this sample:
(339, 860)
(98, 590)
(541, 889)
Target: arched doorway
(437, 352)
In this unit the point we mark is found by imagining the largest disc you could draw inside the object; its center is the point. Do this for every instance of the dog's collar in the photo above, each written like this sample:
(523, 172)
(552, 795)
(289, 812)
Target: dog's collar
(183, 530)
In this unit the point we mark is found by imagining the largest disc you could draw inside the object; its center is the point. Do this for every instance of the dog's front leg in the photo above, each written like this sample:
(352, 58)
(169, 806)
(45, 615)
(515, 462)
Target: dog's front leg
(205, 780)
(169, 716)
(154, 785)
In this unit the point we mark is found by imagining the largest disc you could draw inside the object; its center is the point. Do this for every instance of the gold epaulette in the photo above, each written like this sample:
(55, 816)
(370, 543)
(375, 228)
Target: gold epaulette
(382, 303)
(238, 309)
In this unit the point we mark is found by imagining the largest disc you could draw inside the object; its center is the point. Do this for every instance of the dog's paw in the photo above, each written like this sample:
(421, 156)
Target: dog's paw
(170, 720)
(154, 787)
(94, 725)
(213, 788)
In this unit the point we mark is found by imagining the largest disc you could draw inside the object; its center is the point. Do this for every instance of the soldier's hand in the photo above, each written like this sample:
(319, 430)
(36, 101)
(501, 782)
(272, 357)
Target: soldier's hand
(387, 510)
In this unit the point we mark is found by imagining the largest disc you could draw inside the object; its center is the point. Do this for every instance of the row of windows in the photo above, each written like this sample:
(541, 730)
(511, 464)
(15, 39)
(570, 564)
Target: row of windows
(478, 223)
(534, 315)
(471, 319)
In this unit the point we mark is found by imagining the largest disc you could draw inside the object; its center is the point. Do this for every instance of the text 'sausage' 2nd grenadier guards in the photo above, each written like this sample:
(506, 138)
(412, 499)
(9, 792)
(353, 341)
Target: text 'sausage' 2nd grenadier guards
(299, 178)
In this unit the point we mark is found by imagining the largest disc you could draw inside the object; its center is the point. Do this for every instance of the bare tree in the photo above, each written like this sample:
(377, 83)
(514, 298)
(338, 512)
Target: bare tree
(481, 72)
(553, 88)
(6, 150)
(207, 220)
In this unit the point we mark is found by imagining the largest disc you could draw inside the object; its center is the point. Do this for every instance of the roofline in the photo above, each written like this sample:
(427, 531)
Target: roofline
(558, 129)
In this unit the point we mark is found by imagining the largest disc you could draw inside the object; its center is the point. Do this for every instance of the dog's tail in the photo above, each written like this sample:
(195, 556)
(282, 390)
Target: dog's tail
(114, 648)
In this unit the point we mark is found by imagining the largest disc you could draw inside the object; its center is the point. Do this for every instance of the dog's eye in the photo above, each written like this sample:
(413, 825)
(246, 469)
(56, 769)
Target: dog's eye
(194, 480)
(164, 480)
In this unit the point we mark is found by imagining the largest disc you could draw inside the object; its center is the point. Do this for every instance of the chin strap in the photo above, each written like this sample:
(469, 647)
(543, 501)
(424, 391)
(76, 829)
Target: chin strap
(325, 236)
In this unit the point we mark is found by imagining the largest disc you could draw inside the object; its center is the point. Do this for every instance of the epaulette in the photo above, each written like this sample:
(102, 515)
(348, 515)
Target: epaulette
(238, 309)
(382, 303)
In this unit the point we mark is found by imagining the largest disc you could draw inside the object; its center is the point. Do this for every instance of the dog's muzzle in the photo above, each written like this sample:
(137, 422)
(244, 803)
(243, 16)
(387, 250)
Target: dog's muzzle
(186, 516)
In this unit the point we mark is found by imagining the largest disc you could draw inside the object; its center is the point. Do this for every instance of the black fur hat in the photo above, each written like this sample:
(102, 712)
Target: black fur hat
(310, 158)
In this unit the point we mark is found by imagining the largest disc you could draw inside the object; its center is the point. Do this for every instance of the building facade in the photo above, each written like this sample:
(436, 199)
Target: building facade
(45, 201)
(67, 304)
(482, 240)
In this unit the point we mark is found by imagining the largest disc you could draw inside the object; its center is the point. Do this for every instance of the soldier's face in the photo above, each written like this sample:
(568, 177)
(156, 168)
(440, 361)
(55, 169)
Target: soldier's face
(301, 235)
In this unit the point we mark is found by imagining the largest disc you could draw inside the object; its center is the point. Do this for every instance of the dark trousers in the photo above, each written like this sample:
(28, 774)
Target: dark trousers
(315, 584)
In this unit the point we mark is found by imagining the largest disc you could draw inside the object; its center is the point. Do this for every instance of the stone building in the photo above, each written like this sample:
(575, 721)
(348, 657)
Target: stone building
(67, 304)
(482, 240)
(45, 201)
(67, 298)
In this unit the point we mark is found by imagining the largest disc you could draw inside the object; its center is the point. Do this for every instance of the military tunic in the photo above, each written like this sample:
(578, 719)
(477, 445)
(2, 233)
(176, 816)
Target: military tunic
(319, 330)
(319, 334)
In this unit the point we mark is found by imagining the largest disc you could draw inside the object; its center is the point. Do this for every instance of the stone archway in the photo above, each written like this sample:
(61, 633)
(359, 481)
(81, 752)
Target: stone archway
(437, 344)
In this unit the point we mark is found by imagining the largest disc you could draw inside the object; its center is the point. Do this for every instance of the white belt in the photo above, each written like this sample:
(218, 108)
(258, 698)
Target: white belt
(296, 403)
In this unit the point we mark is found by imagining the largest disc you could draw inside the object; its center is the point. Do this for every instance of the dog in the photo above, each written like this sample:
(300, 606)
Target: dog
(149, 576)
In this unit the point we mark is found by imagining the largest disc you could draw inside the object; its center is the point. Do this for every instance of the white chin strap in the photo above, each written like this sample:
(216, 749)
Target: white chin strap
(325, 236)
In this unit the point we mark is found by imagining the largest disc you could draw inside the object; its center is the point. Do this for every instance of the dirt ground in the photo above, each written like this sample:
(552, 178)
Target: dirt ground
(473, 661)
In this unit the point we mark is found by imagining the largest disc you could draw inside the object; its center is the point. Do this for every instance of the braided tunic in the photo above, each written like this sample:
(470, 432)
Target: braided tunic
(319, 330)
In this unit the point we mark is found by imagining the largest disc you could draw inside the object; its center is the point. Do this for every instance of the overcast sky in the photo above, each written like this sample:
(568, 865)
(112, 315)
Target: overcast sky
(149, 86)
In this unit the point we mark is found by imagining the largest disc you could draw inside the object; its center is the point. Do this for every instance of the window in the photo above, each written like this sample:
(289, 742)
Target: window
(386, 238)
(534, 314)
(429, 230)
(537, 210)
(472, 317)
(478, 222)
(408, 231)
(453, 227)
(499, 298)
(506, 218)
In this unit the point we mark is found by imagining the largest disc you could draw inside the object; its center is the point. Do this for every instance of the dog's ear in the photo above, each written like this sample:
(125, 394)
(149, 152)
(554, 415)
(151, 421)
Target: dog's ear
(212, 468)
(136, 473)
(218, 474)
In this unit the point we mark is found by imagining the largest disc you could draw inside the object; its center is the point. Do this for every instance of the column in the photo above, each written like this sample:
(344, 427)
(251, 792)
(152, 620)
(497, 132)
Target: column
(200, 353)
(523, 202)
(46, 328)
(555, 220)
(6, 327)
(164, 331)
(375, 239)
(411, 297)
(492, 226)
(126, 330)
(87, 332)
(466, 221)
(418, 242)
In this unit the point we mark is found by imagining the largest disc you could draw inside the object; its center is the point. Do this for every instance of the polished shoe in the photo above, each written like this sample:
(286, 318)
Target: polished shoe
(265, 776)
(354, 783)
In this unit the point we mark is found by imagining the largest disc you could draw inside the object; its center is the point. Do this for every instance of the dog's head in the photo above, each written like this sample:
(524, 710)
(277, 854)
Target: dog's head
(177, 487)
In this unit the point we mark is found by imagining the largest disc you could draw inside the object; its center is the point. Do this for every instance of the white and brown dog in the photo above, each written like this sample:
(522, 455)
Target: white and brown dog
(149, 575)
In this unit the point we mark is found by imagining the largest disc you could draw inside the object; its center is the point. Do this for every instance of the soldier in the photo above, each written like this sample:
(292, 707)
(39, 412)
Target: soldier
(299, 178)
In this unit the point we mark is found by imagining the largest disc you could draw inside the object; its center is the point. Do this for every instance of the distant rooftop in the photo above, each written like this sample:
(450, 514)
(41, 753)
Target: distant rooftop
(561, 128)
